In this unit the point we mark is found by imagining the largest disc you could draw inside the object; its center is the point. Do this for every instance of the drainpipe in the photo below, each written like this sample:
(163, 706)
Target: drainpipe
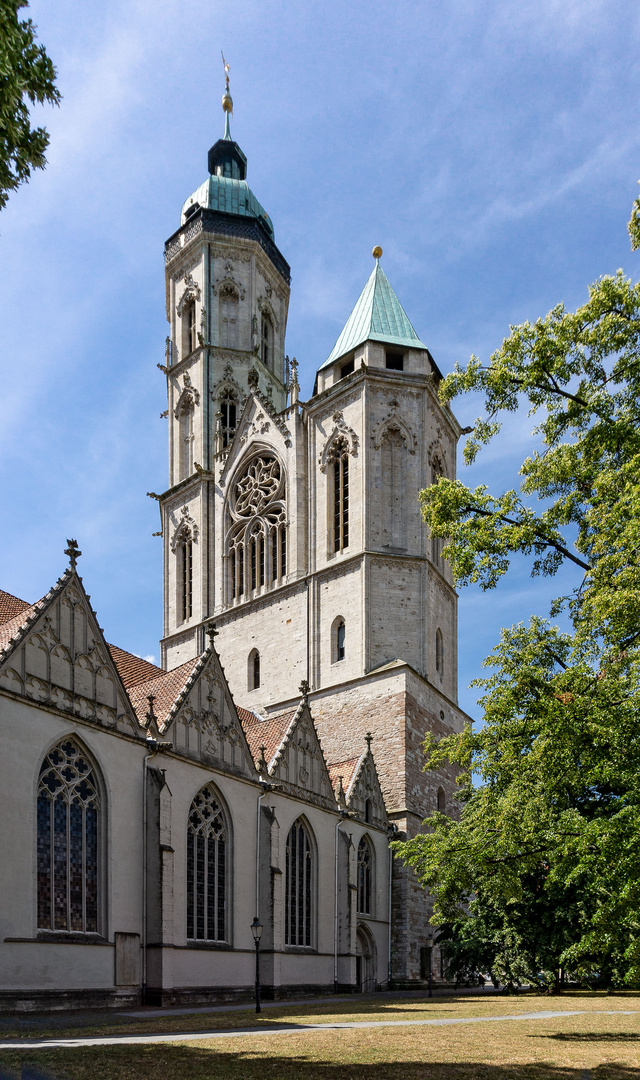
(266, 788)
(153, 747)
(393, 829)
(335, 906)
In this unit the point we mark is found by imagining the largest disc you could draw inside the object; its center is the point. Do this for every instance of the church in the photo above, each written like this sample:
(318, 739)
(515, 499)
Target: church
(157, 819)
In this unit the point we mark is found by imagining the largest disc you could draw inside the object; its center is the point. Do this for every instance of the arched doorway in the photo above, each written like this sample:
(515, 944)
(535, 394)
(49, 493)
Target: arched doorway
(365, 960)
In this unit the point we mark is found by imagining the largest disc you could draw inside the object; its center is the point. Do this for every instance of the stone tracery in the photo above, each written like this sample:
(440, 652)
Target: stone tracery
(257, 533)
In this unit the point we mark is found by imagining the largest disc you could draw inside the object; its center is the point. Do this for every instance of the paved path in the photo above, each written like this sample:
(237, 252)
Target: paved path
(288, 1029)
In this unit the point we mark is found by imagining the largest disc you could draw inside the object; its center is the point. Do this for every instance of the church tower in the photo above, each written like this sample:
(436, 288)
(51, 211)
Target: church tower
(296, 526)
(227, 296)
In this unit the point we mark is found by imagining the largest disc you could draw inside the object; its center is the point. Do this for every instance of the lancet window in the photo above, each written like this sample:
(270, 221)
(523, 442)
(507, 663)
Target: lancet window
(229, 329)
(257, 534)
(228, 416)
(339, 640)
(185, 579)
(254, 669)
(68, 841)
(339, 462)
(439, 652)
(207, 862)
(189, 333)
(299, 884)
(365, 876)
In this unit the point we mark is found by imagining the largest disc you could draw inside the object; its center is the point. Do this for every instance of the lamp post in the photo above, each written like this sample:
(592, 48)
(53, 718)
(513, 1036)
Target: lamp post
(256, 930)
(430, 948)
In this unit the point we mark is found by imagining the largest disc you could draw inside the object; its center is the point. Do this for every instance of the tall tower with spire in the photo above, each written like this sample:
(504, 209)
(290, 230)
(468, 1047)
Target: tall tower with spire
(227, 296)
(296, 525)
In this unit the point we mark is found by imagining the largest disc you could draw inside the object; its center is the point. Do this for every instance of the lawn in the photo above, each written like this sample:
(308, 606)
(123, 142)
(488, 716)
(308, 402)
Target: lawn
(603, 1044)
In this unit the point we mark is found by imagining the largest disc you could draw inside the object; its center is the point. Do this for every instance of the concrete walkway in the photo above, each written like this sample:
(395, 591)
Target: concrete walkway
(288, 1029)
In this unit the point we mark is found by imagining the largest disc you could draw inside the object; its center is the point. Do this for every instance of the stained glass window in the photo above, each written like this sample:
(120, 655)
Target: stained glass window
(67, 821)
(298, 886)
(207, 842)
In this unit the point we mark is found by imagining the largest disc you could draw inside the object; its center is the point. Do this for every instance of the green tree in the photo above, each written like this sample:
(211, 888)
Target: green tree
(27, 76)
(558, 756)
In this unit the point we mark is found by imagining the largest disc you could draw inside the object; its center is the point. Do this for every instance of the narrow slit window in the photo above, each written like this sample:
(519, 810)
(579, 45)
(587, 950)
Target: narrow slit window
(340, 495)
(185, 573)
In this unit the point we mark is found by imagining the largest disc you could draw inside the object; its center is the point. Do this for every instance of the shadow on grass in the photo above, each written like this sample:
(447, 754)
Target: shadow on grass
(197, 1063)
(592, 1036)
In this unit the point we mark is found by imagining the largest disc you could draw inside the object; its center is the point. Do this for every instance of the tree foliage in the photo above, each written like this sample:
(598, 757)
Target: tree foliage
(27, 76)
(554, 825)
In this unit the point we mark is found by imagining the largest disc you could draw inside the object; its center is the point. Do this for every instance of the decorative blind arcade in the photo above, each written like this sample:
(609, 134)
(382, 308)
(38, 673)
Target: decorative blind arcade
(68, 807)
(257, 543)
(206, 868)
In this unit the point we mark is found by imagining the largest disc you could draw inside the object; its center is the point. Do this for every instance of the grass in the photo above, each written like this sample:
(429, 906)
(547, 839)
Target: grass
(602, 1043)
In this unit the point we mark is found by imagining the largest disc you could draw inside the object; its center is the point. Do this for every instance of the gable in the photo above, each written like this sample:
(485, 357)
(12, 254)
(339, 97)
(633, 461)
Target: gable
(299, 765)
(56, 656)
(203, 722)
(365, 788)
(260, 423)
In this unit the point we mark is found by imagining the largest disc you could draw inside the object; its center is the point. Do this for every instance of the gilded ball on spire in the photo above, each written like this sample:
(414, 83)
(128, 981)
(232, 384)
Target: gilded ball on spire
(227, 102)
(377, 252)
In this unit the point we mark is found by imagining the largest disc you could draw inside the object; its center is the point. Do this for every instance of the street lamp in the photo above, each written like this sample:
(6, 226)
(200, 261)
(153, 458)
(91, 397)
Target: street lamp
(256, 930)
(430, 948)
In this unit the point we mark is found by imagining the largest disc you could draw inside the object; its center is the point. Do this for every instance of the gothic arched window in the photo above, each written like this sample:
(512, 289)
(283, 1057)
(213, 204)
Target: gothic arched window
(365, 876)
(185, 579)
(228, 416)
(254, 669)
(266, 342)
(229, 330)
(339, 459)
(257, 536)
(207, 862)
(299, 885)
(68, 838)
(189, 334)
(442, 802)
(439, 652)
(339, 640)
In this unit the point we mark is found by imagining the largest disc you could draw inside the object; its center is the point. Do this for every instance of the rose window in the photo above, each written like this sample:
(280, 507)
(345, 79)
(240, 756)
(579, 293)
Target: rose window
(257, 536)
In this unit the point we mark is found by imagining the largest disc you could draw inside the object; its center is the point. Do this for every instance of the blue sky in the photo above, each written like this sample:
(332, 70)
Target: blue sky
(490, 148)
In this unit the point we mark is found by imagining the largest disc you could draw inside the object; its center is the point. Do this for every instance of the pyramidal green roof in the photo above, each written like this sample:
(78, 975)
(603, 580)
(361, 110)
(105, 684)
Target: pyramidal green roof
(377, 316)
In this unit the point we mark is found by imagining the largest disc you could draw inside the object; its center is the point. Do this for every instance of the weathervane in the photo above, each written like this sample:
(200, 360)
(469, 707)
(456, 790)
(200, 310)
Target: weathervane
(227, 100)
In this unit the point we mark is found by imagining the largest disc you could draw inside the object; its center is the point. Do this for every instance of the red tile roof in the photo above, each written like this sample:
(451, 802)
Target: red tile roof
(268, 733)
(165, 689)
(10, 606)
(133, 669)
(10, 628)
(346, 769)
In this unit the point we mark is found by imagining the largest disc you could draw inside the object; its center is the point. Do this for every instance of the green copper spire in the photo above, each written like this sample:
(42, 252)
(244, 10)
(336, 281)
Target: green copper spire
(377, 316)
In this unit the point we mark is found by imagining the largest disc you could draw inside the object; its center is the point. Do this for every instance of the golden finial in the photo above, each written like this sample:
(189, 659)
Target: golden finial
(227, 100)
(377, 252)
